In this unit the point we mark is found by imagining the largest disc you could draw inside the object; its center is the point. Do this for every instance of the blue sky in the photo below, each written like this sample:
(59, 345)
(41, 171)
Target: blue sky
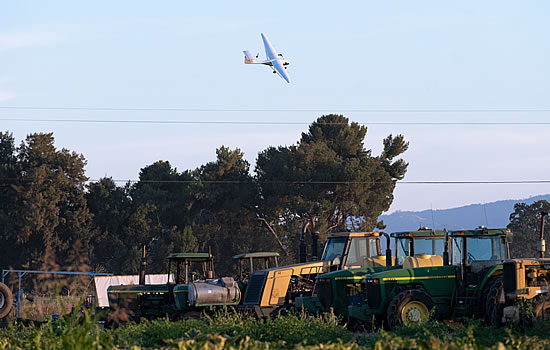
(347, 56)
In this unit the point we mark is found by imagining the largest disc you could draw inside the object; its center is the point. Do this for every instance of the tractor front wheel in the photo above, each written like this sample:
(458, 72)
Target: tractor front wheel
(409, 308)
(6, 300)
(191, 315)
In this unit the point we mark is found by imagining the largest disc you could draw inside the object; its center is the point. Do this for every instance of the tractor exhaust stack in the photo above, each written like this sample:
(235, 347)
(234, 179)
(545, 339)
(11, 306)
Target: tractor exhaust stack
(142, 266)
(388, 249)
(542, 246)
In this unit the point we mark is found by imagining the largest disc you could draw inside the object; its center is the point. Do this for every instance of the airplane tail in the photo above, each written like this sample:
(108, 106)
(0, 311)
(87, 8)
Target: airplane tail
(248, 57)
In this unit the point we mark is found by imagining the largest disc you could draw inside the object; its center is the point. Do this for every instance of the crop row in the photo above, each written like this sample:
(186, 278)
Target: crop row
(227, 330)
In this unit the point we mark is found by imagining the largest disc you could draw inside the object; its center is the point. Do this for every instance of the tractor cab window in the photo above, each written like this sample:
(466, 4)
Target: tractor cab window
(402, 249)
(360, 248)
(429, 245)
(432, 246)
(488, 248)
(456, 249)
(334, 249)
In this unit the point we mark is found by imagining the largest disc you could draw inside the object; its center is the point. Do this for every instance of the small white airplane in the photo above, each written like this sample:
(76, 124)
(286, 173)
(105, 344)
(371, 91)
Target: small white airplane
(275, 60)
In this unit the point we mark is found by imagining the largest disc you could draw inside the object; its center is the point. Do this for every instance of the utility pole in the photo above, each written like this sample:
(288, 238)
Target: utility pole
(542, 244)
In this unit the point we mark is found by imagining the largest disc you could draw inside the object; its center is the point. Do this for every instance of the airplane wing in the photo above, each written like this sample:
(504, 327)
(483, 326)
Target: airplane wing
(276, 61)
(280, 69)
(269, 50)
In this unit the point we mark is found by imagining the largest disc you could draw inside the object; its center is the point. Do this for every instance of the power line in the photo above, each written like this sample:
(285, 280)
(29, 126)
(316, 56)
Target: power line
(405, 182)
(250, 122)
(7, 181)
(294, 110)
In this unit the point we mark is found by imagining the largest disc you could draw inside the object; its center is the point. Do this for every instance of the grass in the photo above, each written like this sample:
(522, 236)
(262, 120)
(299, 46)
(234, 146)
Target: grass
(229, 330)
(41, 306)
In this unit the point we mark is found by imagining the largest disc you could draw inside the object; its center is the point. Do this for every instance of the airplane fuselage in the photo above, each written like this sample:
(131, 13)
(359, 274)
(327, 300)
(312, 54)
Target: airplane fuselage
(274, 60)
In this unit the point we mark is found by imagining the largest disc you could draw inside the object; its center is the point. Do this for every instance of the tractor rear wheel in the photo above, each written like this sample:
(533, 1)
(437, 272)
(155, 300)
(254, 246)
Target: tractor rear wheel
(6, 300)
(495, 302)
(483, 312)
(409, 308)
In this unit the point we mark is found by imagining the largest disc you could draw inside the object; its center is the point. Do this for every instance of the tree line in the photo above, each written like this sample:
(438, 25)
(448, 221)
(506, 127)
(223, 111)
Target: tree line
(327, 180)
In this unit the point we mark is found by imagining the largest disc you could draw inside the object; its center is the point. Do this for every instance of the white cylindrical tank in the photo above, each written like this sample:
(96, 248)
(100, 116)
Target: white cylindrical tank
(220, 291)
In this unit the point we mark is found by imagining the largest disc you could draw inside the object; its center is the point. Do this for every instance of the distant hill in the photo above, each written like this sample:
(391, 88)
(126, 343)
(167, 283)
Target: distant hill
(493, 215)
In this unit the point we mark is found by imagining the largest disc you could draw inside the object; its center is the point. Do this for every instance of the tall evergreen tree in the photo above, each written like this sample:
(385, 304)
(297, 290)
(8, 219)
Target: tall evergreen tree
(329, 179)
(111, 207)
(525, 224)
(9, 185)
(48, 205)
(224, 210)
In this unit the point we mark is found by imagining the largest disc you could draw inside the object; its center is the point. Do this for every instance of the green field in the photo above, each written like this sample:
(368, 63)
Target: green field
(228, 330)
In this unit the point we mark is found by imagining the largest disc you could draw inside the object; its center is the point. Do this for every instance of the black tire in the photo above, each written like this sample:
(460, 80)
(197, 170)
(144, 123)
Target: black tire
(191, 315)
(494, 303)
(409, 308)
(6, 300)
(483, 299)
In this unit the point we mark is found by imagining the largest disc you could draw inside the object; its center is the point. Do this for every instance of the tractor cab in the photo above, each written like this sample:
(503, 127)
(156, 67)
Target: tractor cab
(479, 246)
(347, 250)
(419, 248)
(248, 262)
(189, 267)
(477, 252)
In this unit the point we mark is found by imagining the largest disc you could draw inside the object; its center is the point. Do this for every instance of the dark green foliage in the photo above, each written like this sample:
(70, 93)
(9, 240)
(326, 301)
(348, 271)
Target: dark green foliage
(228, 330)
(327, 179)
(224, 209)
(281, 332)
(111, 207)
(525, 224)
(43, 205)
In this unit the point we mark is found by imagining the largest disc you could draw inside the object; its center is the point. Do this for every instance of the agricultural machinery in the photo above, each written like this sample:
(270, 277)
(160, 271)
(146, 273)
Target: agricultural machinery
(272, 289)
(522, 293)
(337, 289)
(465, 285)
(191, 291)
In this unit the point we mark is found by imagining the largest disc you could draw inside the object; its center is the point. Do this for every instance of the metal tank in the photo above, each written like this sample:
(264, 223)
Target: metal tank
(211, 292)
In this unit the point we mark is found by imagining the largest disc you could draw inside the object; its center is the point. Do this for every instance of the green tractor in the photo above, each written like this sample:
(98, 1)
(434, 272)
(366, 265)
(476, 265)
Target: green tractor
(464, 286)
(276, 289)
(336, 290)
(188, 292)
